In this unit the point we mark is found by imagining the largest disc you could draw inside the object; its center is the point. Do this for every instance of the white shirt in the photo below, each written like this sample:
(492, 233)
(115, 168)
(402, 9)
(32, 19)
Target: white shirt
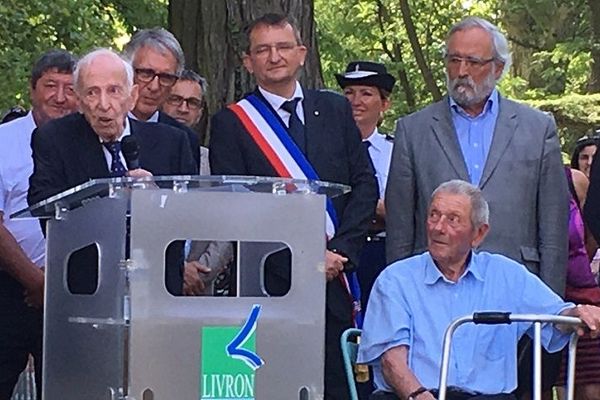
(277, 101)
(380, 152)
(16, 165)
(153, 117)
(108, 156)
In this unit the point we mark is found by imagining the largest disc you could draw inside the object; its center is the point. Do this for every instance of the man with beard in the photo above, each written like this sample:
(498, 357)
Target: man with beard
(509, 150)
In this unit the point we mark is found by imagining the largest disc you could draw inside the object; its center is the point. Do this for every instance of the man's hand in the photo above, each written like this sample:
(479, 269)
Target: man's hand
(334, 264)
(34, 290)
(193, 284)
(589, 315)
(138, 173)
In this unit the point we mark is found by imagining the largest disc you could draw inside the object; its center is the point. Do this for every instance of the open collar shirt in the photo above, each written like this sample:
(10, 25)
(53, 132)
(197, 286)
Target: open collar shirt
(475, 134)
(16, 165)
(412, 304)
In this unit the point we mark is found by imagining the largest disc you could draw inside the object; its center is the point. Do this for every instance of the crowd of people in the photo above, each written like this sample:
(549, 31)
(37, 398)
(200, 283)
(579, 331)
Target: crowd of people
(468, 204)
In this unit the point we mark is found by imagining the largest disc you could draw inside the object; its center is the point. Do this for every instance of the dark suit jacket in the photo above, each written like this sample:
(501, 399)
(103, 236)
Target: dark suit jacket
(191, 134)
(333, 147)
(67, 153)
(592, 202)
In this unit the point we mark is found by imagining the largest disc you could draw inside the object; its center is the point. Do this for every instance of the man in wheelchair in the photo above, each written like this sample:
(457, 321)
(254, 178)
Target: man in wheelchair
(415, 299)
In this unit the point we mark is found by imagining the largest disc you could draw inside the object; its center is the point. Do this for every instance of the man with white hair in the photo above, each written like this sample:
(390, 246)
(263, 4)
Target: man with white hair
(86, 145)
(415, 299)
(509, 150)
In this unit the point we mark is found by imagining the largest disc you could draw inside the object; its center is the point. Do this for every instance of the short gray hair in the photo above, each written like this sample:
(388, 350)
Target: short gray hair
(192, 76)
(480, 212)
(89, 57)
(499, 42)
(159, 39)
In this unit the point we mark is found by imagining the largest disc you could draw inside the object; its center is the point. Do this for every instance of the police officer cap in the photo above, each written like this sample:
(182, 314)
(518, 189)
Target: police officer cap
(366, 73)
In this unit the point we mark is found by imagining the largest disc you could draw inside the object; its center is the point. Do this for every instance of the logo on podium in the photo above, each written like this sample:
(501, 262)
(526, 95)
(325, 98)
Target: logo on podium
(229, 360)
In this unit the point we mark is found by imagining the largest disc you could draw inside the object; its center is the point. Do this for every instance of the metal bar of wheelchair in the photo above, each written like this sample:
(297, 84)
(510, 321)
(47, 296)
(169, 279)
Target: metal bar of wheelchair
(497, 318)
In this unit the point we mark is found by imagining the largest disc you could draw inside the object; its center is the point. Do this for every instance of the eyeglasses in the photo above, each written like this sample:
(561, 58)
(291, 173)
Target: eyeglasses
(192, 102)
(454, 61)
(147, 75)
(283, 49)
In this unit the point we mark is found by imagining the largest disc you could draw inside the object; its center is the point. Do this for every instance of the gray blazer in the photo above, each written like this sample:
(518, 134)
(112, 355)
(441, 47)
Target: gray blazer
(523, 182)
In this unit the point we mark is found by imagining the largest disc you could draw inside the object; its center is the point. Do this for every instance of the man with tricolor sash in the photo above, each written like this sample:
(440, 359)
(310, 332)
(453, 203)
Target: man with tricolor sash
(282, 129)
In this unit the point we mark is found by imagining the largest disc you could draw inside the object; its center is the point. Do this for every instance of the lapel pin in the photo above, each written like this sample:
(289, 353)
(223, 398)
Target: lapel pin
(316, 113)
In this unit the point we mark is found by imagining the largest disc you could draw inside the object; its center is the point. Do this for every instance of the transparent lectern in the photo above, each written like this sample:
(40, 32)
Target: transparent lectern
(129, 338)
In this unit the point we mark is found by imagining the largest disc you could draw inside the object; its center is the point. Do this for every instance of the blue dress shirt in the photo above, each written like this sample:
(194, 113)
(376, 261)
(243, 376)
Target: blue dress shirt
(412, 304)
(475, 134)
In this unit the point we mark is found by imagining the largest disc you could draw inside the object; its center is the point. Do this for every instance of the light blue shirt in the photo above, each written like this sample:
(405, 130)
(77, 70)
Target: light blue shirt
(412, 304)
(475, 134)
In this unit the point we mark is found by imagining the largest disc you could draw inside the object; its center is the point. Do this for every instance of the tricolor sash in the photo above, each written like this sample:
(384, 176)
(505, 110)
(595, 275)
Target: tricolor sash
(274, 141)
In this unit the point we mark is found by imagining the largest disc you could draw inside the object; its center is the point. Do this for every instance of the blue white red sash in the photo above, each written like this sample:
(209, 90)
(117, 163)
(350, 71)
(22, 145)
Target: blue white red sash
(273, 139)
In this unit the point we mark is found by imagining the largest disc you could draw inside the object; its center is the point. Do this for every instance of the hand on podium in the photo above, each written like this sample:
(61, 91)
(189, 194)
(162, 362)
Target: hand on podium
(334, 264)
(138, 173)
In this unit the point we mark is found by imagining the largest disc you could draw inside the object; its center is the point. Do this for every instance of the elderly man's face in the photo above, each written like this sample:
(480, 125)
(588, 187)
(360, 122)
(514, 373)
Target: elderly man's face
(471, 69)
(450, 233)
(104, 96)
(185, 102)
(155, 74)
(53, 96)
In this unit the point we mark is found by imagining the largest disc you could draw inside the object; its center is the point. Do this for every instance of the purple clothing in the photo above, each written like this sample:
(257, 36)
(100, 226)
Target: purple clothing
(579, 273)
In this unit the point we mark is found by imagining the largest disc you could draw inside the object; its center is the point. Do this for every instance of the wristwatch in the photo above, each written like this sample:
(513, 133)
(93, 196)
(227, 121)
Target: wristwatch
(416, 393)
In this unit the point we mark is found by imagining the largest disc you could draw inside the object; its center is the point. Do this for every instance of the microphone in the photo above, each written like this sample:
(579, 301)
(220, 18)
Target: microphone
(131, 151)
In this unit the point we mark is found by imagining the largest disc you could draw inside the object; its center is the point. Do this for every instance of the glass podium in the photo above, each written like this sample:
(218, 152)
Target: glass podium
(130, 337)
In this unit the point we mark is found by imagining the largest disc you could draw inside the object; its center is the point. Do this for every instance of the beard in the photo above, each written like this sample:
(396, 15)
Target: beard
(467, 93)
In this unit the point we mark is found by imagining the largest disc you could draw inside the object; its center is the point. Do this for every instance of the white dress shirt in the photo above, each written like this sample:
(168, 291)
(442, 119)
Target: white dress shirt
(16, 165)
(277, 101)
(380, 152)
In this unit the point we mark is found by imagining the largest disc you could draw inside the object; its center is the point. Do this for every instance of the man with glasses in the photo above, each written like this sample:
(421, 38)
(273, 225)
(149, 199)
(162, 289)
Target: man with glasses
(311, 133)
(509, 150)
(87, 145)
(206, 259)
(157, 60)
(186, 100)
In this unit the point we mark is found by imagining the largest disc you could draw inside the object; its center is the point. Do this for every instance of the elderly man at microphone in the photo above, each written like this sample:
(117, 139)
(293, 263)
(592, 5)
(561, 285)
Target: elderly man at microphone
(100, 141)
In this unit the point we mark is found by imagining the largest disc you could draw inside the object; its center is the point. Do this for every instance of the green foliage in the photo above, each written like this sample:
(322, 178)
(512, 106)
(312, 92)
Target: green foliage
(30, 27)
(550, 42)
(575, 116)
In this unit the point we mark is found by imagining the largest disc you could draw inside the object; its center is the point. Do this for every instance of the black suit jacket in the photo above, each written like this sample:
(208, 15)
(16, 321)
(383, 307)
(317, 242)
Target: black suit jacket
(592, 202)
(333, 147)
(67, 153)
(191, 134)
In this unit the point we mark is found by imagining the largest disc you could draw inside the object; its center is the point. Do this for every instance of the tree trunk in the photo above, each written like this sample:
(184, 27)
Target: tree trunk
(416, 46)
(395, 54)
(594, 84)
(211, 34)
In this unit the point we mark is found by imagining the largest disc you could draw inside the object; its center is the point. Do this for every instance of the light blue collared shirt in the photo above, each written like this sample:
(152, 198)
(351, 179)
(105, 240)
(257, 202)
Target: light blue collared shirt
(412, 304)
(475, 134)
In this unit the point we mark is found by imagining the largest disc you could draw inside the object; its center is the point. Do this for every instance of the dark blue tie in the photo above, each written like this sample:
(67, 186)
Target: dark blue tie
(296, 127)
(117, 168)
